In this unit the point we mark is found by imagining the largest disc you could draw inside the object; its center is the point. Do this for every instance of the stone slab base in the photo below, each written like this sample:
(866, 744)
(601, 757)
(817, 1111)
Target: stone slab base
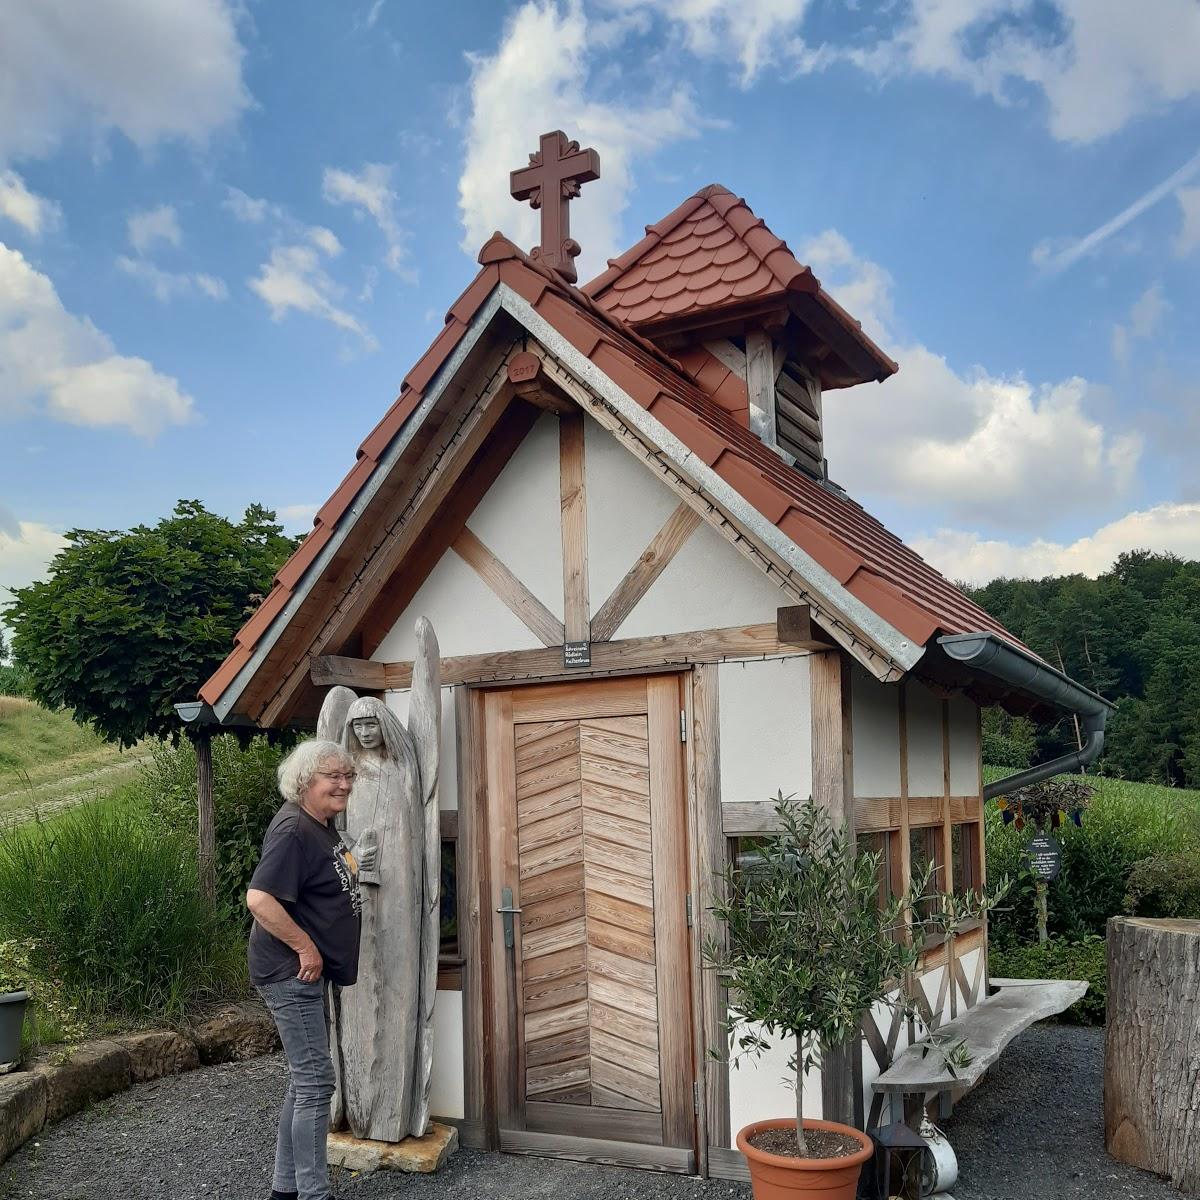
(424, 1154)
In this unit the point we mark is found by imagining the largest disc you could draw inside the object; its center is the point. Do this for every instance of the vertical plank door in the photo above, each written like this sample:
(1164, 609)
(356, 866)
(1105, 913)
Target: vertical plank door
(585, 795)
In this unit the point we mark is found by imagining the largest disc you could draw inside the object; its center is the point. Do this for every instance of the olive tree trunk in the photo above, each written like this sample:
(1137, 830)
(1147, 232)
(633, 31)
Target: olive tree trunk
(1151, 1050)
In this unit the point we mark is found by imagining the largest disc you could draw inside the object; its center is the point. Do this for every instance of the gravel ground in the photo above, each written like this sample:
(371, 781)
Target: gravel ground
(210, 1135)
(1032, 1131)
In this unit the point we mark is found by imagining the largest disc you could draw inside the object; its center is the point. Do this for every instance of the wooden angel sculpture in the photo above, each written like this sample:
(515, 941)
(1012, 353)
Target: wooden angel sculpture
(382, 1027)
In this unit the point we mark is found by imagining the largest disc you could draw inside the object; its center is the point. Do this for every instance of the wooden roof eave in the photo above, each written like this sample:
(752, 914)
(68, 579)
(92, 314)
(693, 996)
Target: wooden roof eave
(231, 699)
(866, 636)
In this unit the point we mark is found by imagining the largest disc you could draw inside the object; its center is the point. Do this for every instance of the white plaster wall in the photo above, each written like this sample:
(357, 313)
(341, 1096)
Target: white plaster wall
(707, 585)
(626, 507)
(467, 617)
(447, 1092)
(398, 702)
(766, 728)
(875, 714)
(761, 1088)
(519, 518)
(924, 722)
(970, 961)
(965, 778)
(882, 1015)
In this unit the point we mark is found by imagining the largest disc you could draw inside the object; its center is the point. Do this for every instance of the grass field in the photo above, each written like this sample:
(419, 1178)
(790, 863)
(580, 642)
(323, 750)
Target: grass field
(48, 762)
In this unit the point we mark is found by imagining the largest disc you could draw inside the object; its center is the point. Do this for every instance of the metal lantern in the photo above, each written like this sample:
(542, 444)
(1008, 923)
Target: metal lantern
(902, 1165)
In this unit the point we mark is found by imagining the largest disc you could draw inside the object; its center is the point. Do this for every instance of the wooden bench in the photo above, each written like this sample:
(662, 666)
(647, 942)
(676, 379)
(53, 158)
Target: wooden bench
(1013, 1007)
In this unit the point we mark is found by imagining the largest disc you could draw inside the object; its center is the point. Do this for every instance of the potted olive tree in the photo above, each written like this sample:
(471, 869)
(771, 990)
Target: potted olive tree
(807, 950)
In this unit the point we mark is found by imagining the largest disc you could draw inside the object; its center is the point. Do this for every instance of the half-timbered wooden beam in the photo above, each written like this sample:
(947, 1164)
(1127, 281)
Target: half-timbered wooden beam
(760, 384)
(797, 628)
(574, 527)
(629, 654)
(531, 612)
(651, 563)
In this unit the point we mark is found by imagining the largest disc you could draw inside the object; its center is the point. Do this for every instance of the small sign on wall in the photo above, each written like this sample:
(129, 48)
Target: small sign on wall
(577, 654)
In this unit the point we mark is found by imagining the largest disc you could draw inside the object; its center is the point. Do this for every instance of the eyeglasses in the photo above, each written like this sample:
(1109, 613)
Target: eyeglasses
(347, 776)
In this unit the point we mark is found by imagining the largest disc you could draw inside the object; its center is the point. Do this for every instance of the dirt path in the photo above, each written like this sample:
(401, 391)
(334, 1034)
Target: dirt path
(81, 788)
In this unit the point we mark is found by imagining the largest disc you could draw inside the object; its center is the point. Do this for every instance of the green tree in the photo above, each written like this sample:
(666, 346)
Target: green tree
(129, 622)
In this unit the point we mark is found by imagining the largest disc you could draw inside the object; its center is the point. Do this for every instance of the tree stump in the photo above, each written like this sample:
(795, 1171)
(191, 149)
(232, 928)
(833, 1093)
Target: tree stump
(1152, 1047)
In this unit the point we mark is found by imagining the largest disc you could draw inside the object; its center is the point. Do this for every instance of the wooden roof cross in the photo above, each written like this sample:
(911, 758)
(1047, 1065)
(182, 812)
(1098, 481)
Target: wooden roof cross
(550, 182)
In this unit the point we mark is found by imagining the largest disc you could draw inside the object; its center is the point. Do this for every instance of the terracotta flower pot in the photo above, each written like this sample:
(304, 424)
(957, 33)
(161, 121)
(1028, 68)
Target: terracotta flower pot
(780, 1177)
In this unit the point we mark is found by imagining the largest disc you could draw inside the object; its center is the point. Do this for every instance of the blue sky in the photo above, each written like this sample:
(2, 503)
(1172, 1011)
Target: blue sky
(227, 230)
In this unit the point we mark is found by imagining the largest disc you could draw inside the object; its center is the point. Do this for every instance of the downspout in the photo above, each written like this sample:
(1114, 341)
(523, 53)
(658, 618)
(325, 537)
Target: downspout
(992, 657)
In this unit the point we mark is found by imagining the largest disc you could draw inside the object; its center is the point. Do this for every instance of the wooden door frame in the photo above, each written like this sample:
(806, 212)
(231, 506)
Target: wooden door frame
(484, 1043)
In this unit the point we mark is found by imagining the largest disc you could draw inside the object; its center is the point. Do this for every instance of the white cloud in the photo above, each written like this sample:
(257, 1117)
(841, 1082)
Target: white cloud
(293, 279)
(370, 192)
(1145, 319)
(169, 285)
(153, 225)
(1166, 528)
(1188, 238)
(26, 548)
(62, 365)
(35, 214)
(981, 447)
(248, 209)
(297, 517)
(148, 69)
(1099, 63)
(539, 75)
(757, 36)
(325, 240)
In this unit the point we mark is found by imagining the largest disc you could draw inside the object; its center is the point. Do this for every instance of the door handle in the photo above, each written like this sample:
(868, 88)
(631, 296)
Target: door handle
(506, 910)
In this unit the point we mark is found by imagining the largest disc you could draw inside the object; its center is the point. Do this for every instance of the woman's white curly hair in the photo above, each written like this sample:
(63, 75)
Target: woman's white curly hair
(297, 770)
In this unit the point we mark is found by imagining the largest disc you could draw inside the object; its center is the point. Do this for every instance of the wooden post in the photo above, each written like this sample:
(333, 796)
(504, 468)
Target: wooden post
(1150, 1115)
(206, 814)
(832, 789)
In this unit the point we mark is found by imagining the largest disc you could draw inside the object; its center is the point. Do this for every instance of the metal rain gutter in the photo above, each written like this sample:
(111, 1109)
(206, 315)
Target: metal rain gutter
(992, 656)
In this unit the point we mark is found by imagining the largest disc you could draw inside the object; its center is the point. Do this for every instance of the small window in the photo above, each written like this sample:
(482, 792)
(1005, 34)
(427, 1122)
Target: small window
(964, 855)
(925, 849)
(881, 844)
(449, 900)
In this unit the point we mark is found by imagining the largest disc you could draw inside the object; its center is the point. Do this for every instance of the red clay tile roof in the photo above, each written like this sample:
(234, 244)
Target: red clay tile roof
(711, 253)
(702, 411)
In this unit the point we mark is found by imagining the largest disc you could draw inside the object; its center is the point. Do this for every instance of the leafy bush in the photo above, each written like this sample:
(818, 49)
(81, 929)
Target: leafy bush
(245, 798)
(1059, 958)
(15, 681)
(107, 908)
(1125, 824)
(1165, 885)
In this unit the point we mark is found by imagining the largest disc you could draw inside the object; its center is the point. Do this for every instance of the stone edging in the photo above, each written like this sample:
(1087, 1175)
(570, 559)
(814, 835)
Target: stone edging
(49, 1090)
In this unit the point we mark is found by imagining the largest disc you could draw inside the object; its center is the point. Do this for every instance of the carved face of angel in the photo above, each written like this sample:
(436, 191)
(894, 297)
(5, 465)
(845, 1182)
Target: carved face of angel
(368, 732)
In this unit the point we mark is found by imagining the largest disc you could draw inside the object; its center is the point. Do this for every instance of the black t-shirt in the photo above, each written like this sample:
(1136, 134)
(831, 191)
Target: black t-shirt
(307, 867)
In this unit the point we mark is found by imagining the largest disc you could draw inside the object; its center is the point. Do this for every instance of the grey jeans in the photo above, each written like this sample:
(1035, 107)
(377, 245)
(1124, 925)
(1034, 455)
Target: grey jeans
(300, 1162)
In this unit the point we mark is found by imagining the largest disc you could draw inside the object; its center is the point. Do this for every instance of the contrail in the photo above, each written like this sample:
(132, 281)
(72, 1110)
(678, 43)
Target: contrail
(1055, 263)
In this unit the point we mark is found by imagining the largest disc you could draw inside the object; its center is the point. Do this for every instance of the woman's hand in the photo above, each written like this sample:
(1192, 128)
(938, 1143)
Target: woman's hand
(311, 963)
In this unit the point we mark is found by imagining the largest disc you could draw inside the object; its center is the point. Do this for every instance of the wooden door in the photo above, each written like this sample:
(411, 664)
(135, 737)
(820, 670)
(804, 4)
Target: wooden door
(588, 832)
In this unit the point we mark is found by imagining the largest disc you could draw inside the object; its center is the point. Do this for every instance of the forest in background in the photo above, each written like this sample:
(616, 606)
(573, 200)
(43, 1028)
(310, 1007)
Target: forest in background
(1133, 635)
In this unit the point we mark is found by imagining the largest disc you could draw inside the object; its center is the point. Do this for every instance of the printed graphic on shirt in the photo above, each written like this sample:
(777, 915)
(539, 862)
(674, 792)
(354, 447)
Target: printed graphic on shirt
(347, 872)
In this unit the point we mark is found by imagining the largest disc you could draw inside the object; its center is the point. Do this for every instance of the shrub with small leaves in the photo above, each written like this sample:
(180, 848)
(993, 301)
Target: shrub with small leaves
(1060, 958)
(245, 798)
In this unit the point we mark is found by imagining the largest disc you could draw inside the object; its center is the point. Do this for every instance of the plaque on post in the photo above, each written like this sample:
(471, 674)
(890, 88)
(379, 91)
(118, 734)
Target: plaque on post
(1045, 857)
(577, 654)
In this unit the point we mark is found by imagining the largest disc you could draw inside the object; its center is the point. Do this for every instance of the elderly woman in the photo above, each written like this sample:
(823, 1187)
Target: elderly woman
(305, 901)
